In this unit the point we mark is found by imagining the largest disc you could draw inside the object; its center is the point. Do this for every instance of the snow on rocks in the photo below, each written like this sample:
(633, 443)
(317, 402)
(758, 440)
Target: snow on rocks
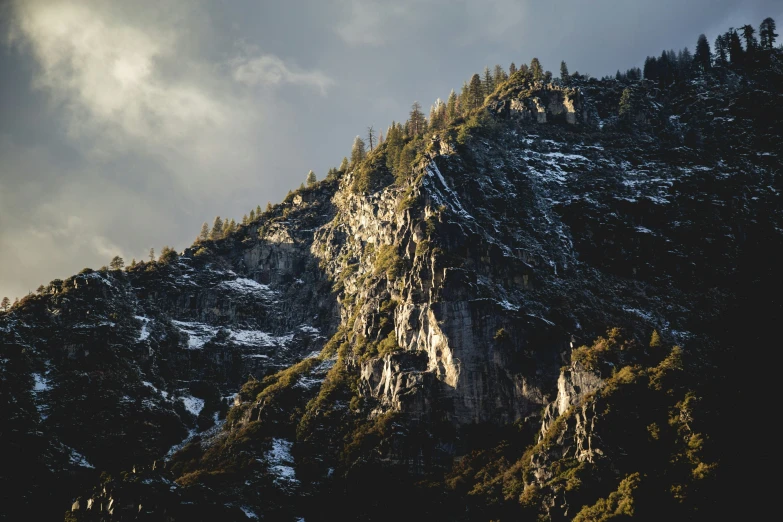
(193, 404)
(41, 384)
(452, 200)
(144, 334)
(176, 447)
(242, 285)
(306, 328)
(259, 338)
(281, 462)
(148, 384)
(78, 459)
(198, 333)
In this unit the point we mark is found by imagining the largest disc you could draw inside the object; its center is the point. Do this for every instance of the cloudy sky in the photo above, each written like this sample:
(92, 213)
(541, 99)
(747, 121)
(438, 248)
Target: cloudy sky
(125, 125)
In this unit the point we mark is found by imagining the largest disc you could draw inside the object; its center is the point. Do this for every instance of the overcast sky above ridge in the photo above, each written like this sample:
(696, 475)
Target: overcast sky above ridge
(125, 125)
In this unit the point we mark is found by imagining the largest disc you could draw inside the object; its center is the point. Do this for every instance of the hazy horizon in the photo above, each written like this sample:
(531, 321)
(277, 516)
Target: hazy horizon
(126, 126)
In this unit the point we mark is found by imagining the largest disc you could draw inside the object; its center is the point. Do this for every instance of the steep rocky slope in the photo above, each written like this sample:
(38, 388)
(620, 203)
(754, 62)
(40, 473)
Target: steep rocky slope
(440, 337)
(109, 369)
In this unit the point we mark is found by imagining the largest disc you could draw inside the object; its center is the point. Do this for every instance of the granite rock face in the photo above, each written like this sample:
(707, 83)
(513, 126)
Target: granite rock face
(544, 103)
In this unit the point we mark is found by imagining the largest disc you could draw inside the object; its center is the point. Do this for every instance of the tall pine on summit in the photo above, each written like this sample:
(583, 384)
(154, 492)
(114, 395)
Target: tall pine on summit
(536, 71)
(767, 33)
(358, 152)
(475, 93)
(703, 58)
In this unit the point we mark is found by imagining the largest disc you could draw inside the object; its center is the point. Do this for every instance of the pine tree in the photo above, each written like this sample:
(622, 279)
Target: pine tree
(116, 263)
(750, 41)
(438, 115)
(564, 72)
(488, 82)
(499, 74)
(204, 234)
(451, 106)
(217, 229)
(684, 63)
(5, 304)
(655, 339)
(226, 228)
(721, 50)
(548, 77)
(736, 54)
(767, 34)
(380, 138)
(269, 206)
(416, 120)
(258, 211)
(343, 165)
(475, 93)
(152, 255)
(133, 263)
(536, 70)
(650, 68)
(703, 58)
(168, 255)
(512, 68)
(311, 179)
(232, 226)
(252, 216)
(463, 101)
(245, 219)
(357, 152)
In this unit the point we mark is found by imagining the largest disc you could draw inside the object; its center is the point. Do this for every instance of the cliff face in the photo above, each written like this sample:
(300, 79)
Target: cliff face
(381, 330)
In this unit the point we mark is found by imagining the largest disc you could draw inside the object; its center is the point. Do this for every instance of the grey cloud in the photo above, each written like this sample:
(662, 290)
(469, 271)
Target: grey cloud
(267, 69)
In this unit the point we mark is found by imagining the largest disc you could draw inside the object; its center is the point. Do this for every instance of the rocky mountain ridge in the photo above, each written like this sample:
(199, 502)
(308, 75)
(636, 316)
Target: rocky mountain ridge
(396, 335)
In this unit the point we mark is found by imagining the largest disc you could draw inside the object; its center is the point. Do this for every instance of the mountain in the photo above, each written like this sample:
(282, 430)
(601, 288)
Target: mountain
(544, 315)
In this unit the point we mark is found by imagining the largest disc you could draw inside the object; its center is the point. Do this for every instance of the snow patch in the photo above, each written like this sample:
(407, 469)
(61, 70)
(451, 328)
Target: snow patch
(148, 384)
(41, 383)
(244, 285)
(259, 338)
(508, 306)
(79, 460)
(309, 329)
(453, 202)
(176, 447)
(547, 321)
(198, 333)
(560, 155)
(193, 404)
(640, 313)
(281, 462)
(144, 332)
(308, 382)
(248, 513)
